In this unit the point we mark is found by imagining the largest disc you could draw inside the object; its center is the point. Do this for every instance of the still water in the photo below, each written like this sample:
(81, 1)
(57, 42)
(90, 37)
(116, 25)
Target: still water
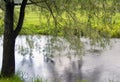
(35, 59)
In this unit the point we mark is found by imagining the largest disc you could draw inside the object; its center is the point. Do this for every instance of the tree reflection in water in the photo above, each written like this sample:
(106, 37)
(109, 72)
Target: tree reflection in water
(98, 65)
(47, 60)
(73, 72)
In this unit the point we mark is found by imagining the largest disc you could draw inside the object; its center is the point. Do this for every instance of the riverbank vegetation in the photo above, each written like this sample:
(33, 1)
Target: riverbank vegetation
(38, 22)
(15, 78)
(41, 23)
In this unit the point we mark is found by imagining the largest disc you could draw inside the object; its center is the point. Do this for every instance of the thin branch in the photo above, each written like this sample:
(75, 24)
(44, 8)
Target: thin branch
(19, 4)
(30, 3)
(49, 8)
(42, 1)
(36, 3)
(55, 6)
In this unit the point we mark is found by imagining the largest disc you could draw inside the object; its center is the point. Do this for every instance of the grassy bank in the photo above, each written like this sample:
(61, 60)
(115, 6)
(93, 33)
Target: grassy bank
(17, 78)
(42, 23)
(37, 22)
(12, 79)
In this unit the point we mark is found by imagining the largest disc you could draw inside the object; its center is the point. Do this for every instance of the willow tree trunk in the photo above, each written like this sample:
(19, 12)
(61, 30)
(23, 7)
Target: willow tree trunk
(8, 64)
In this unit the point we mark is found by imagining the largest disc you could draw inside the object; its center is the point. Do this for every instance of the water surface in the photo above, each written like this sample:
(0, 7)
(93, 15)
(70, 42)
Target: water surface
(34, 59)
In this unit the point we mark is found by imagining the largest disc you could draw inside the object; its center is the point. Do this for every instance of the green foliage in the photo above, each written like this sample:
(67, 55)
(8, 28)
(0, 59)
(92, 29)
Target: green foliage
(92, 19)
(1, 22)
(2, 5)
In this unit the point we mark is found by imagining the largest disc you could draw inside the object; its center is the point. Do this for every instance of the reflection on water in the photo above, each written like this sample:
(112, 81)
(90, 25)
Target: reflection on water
(35, 57)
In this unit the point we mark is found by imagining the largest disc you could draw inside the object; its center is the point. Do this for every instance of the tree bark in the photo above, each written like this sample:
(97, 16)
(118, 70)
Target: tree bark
(8, 64)
(21, 18)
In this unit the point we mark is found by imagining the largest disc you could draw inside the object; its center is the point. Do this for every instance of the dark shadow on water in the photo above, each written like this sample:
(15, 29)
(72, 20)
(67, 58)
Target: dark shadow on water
(73, 73)
(96, 74)
(26, 68)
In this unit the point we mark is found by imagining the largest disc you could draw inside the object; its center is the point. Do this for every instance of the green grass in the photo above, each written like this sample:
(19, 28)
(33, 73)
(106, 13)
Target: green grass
(11, 79)
(37, 23)
(16, 78)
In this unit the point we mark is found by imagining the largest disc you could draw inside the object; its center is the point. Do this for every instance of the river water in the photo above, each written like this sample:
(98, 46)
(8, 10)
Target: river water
(35, 59)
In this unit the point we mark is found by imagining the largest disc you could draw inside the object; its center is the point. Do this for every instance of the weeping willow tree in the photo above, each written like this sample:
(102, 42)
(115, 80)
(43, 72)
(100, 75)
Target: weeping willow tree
(73, 19)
